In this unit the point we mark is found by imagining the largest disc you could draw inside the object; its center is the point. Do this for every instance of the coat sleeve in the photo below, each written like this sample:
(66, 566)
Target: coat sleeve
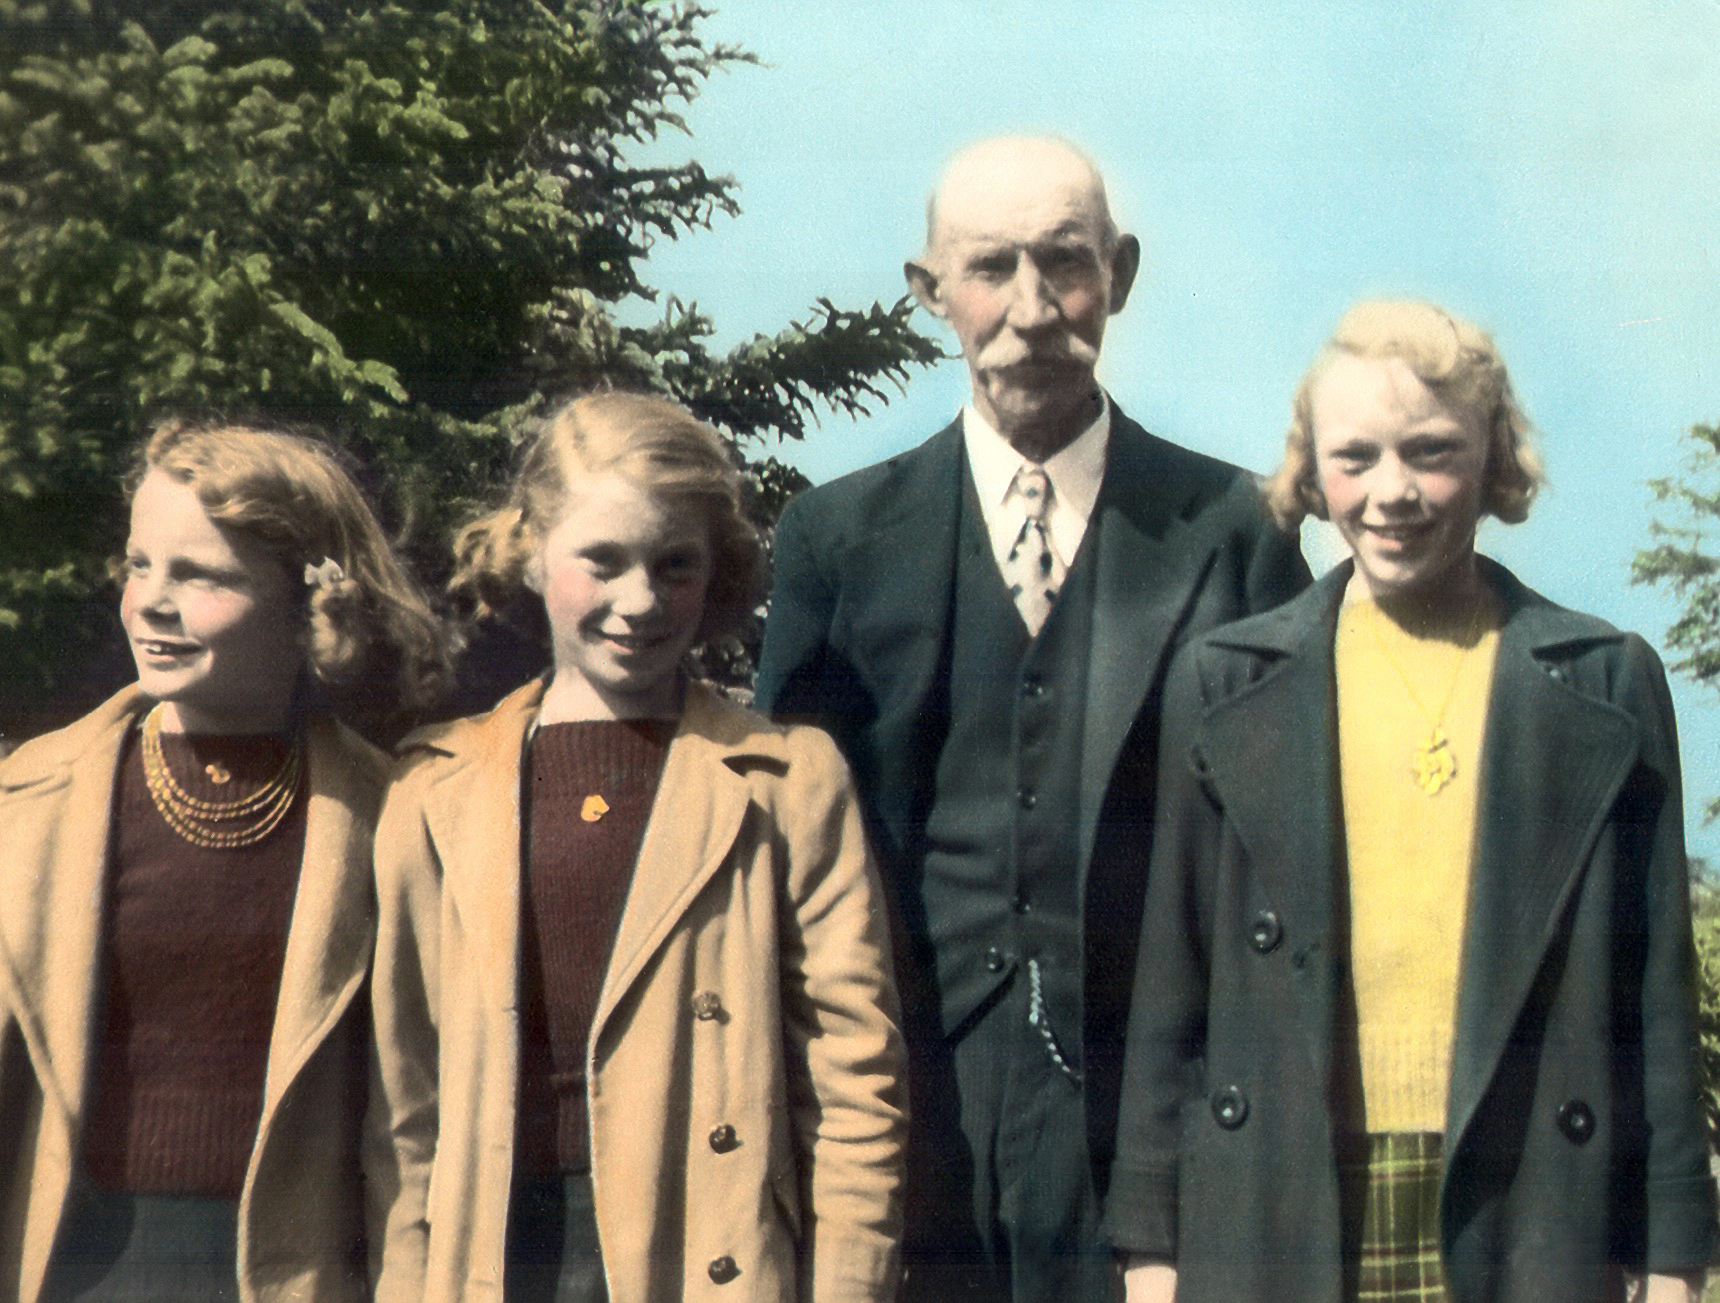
(1164, 1047)
(845, 1062)
(400, 1144)
(793, 661)
(1679, 1230)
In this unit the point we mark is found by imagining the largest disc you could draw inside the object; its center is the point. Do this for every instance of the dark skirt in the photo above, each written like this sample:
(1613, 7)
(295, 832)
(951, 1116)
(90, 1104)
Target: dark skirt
(145, 1248)
(552, 1253)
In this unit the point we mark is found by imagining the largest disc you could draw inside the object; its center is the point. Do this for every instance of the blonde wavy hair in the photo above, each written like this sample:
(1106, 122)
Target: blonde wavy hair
(656, 445)
(1454, 358)
(371, 639)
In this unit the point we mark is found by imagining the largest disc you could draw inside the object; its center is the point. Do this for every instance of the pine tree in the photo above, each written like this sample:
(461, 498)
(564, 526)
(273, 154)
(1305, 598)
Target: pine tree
(1684, 558)
(402, 222)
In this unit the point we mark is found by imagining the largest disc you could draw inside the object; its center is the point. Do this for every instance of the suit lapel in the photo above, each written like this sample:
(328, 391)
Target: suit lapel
(481, 856)
(1270, 752)
(1147, 570)
(58, 816)
(694, 822)
(328, 943)
(1553, 763)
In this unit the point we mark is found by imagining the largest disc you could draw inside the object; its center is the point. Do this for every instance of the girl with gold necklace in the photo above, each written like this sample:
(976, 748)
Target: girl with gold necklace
(186, 908)
(1414, 1017)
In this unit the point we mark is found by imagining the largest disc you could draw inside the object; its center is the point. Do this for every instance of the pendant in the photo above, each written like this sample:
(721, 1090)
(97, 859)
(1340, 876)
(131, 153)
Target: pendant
(218, 774)
(594, 808)
(1435, 764)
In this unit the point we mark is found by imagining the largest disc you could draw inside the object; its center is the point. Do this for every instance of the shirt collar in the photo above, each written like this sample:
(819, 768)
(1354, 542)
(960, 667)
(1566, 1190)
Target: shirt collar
(1075, 471)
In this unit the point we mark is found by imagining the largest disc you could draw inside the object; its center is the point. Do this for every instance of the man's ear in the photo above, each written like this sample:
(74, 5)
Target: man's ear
(1125, 263)
(924, 284)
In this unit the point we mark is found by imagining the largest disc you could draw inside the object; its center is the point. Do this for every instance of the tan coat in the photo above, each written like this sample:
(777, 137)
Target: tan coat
(748, 988)
(298, 1215)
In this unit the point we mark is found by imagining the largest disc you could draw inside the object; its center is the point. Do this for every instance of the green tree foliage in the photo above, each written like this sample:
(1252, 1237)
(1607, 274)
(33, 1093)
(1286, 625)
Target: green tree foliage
(1682, 556)
(1705, 918)
(401, 221)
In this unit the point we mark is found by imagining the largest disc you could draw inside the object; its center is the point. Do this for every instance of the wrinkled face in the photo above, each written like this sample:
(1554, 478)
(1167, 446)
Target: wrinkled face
(623, 576)
(1402, 473)
(214, 620)
(1018, 266)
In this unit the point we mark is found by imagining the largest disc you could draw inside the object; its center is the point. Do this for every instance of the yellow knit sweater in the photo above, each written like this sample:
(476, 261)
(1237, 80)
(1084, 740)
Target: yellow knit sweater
(1409, 851)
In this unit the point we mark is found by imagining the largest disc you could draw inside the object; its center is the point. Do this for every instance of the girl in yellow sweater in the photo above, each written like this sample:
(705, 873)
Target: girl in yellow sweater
(1414, 1014)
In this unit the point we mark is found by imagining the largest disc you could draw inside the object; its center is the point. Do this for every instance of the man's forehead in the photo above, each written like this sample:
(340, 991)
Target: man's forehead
(1019, 191)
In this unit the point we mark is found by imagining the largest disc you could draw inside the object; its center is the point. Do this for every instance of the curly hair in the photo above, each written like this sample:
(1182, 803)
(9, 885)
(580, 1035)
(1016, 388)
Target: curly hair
(371, 639)
(656, 445)
(1454, 358)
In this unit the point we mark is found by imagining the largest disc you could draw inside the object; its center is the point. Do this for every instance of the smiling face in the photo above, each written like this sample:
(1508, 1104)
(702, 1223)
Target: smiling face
(623, 576)
(1401, 473)
(1022, 264)
(213, 618)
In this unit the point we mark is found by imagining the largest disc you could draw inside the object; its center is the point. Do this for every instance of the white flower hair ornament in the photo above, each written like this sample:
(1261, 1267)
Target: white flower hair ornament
(323, 574)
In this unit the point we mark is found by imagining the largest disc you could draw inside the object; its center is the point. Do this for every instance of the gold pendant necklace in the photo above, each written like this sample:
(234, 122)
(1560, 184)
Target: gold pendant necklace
(1434, 765)
(218, 825)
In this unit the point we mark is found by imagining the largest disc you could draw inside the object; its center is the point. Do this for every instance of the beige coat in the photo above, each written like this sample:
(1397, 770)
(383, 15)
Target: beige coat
(748, 988)
(298, 1217)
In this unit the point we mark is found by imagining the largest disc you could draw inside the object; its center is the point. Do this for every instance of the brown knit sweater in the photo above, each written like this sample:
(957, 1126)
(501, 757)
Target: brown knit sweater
(589, 787)
(193, 943)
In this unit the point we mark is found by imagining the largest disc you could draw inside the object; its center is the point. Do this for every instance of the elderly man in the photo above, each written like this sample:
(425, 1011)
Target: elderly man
(983, 623)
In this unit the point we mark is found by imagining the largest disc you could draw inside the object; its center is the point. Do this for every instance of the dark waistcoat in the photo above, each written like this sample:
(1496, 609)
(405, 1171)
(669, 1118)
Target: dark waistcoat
(998, 881)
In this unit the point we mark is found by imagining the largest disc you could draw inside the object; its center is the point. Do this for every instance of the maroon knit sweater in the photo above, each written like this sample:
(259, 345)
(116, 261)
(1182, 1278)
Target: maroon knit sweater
(577, 872)
(193, 942)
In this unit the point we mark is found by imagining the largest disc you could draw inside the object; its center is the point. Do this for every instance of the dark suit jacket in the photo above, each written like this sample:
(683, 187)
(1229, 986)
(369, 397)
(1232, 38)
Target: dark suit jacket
(1573, 1141)
(858, 640)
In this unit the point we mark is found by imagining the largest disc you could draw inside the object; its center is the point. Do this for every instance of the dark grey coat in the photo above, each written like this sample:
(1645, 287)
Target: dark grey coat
(1573, 1142)
(858, 641)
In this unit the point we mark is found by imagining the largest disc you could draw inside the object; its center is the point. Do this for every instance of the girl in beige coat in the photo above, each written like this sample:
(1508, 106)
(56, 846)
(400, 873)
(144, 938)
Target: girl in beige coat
(185, 906)
(633, 1012)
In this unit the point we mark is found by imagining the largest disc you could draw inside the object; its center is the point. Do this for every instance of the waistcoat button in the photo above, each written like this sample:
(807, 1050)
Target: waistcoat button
(994, 960)
(1265, 932)
(723, 1269)
(724, 1139)
(707, 1006)
(1230, 1107)
(1577, 1121)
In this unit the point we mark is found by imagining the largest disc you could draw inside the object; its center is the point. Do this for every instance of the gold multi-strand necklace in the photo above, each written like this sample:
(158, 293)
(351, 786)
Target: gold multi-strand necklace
(218, 825)
(1434, 765)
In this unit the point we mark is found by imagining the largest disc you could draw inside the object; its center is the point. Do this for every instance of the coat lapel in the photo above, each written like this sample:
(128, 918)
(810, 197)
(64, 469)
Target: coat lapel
(57, 809)
(1147, 570)
(694, 823)
(1270, 754)
(1553, 763)
(328, 944)
(481, 856)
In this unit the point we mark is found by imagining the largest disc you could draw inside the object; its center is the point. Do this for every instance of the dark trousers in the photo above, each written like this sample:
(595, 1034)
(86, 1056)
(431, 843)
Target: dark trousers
(1001, 1200)
(145, 1248)
(552, 1253)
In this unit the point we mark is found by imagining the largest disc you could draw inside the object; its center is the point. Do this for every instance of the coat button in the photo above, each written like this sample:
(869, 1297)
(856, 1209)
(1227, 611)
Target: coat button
(1019, 901)
(707, 1006)
(1577, 1121)
(723, 1269)
(1265, 932)
(1026, 799)
(1230, 1107)
(994, 960)
(724, 1139)
(1032, 686)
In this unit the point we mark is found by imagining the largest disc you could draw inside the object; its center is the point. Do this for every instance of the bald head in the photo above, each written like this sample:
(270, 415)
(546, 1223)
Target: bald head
(1016, 173)
(1025, 265)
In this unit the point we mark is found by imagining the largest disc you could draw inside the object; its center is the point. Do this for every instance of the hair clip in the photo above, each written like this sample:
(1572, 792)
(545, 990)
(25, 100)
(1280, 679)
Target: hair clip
(324, 574)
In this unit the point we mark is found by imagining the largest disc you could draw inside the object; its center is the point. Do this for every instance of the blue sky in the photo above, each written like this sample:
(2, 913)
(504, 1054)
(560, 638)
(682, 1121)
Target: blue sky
(1546, 168)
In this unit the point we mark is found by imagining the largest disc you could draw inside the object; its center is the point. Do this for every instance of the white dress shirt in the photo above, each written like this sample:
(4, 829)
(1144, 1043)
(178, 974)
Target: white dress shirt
(1075, 474)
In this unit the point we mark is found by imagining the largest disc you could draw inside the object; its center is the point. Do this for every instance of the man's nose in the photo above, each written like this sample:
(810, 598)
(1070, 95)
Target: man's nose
(1031, 302)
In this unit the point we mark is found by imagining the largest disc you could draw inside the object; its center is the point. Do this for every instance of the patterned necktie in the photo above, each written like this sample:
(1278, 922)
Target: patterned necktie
(1031, 569)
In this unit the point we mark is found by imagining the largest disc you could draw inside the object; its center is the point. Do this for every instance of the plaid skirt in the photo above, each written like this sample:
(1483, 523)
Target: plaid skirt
(1393, 1192)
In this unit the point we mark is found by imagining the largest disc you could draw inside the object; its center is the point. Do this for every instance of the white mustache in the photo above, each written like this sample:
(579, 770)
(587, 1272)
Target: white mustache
(1006, 352)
